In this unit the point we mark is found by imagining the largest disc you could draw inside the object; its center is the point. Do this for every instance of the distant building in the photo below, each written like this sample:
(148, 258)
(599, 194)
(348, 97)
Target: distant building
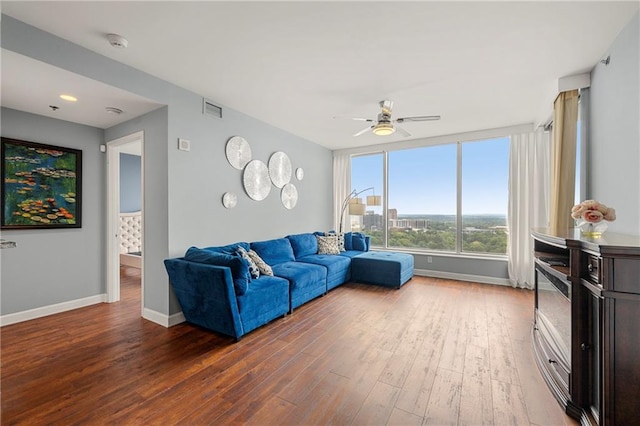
(372, 220)
(392, 214)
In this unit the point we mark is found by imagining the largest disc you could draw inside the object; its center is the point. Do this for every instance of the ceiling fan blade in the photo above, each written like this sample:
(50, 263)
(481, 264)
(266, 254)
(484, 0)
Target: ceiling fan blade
(418, 118)
(370, 120)
(363, 131)
(402, 131)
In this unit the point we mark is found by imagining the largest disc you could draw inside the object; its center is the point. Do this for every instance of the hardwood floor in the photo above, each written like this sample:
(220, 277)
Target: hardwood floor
(435, 352)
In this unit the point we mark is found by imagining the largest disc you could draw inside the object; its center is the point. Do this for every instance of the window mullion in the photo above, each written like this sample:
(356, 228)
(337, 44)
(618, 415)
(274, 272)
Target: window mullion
(385, 198)
(459, 198)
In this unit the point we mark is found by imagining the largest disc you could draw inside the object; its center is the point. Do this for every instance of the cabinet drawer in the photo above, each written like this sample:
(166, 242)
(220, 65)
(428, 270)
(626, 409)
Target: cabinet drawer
(560, 370)
(593, 270)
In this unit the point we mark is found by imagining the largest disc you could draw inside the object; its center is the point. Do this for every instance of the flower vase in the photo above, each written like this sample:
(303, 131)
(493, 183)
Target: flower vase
(591, 229)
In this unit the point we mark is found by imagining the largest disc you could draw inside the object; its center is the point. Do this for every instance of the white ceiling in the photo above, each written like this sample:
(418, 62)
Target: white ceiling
(297, 65)
(33, 86)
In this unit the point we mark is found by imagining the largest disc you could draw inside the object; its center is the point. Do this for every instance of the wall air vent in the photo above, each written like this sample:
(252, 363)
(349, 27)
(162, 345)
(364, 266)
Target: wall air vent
(210, 109)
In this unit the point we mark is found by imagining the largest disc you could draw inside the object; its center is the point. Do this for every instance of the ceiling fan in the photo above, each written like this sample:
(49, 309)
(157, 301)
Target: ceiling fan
(384, 125)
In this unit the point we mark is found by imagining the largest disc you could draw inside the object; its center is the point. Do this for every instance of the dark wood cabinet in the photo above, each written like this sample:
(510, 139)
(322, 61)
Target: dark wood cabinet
(586, 334)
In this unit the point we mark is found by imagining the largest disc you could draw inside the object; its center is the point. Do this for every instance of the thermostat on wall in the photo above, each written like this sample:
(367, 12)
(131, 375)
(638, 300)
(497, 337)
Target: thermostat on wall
(184, 145)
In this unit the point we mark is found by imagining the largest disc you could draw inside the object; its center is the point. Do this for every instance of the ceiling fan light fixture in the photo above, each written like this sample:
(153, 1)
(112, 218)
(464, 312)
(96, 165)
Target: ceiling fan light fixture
(383, 129)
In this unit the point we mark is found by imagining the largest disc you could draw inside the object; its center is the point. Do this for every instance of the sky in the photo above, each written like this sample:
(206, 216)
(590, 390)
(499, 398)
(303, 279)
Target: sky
(423, 180)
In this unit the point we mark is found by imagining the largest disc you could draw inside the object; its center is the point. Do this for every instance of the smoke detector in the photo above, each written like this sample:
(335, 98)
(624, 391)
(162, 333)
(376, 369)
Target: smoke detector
(113, 110)
(118, 41)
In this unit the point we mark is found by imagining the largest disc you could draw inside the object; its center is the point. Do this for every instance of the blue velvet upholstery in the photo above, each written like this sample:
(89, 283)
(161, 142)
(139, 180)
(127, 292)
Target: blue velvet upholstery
(209, 282)
(384, 268)
(274, 251)
(338, 267)
(358, 242)
(228, 249)
(267, 298)
(303, 244)
(206, 295)
(351, 253)
(239, 266)
(306, 281)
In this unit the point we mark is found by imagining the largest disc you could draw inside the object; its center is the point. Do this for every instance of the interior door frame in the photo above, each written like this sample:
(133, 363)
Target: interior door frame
(114, 148)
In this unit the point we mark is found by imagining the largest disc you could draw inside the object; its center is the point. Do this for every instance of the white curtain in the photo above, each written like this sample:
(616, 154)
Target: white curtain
(341, 188)
(529, 168)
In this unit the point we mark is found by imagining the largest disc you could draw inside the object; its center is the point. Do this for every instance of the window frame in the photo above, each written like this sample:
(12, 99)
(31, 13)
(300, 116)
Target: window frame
(473, 137)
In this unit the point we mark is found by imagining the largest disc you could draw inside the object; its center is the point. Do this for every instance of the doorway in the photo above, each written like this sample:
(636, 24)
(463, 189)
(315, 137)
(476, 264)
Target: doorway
(125, 212)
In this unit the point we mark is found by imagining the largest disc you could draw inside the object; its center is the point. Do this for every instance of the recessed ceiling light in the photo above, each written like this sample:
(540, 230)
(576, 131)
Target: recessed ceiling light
(68, 98)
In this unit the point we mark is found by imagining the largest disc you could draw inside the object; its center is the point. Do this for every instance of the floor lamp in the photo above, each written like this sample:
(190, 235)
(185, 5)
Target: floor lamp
(355, 204)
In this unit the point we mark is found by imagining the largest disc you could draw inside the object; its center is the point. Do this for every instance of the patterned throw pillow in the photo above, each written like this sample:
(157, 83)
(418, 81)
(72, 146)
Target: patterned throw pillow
(253, 268)
(262, 266)
(328, 244)
(340, 236)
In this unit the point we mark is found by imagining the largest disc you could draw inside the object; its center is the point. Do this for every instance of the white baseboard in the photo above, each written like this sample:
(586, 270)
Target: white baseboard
(51, 309)
(163, 319)
(462, 277)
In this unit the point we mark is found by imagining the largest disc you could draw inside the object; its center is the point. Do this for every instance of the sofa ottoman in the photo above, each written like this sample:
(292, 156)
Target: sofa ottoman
(384, 268)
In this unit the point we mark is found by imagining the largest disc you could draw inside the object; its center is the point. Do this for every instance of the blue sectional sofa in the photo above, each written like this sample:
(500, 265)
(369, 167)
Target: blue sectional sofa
(215, 288)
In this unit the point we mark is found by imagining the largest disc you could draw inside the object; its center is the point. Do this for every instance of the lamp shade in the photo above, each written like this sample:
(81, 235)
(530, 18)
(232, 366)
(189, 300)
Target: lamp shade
(355, 201)
(357, 209)
(374, 200)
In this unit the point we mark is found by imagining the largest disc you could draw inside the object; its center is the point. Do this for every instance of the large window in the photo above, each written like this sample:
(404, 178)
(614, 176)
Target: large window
(422, 198)
(485, 186)
(450, 197)
(367, 172)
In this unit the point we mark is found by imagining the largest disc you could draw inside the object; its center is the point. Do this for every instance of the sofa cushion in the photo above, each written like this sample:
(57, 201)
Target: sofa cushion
(303, 244)
(267, 298)
(338, 267)
(275, 251)
(358, 241)
(239, 267)
(306, 281)
(228, 249)
(347, 241)
(328, 245)
(262, 267)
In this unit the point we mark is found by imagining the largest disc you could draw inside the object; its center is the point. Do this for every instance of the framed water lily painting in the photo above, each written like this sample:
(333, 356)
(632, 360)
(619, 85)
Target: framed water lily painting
(41, 185)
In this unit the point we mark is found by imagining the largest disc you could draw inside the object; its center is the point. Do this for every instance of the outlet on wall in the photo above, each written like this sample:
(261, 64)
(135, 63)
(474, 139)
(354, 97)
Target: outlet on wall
(429, 259)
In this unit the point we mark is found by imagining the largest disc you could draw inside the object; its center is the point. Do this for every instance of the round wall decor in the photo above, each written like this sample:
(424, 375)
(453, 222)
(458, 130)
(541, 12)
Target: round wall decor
(256, 180)
(229, 200)
(280, 169)
(238, 152)
(289, 196)
(299, 173)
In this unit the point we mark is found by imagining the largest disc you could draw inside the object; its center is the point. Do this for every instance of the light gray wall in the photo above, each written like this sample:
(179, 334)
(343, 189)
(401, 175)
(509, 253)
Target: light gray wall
(613, 172)
(155, 238)
(130, 179)
(481, 267)
(52, 266)
(183, 190)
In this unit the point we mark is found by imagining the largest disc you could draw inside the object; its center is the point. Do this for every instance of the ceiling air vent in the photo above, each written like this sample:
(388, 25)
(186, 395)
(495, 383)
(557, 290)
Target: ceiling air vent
(208, 108)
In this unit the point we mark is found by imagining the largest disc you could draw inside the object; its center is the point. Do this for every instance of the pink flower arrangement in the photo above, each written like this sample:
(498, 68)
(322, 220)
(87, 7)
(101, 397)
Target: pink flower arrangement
(593, 211)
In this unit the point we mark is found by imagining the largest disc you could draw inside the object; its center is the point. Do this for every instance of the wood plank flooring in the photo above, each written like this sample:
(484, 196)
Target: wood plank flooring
(434, 352)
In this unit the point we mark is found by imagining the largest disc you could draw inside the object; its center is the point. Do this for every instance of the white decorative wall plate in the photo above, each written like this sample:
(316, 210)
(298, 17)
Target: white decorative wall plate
(256, 180)
(238, 152)
(289, 196)
(229, 200)
(299, 173)
(280, 169)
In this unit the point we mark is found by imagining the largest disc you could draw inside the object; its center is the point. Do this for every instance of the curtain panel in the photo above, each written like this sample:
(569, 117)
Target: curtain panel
(341, 187)
(529, 162)
(563, 162)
